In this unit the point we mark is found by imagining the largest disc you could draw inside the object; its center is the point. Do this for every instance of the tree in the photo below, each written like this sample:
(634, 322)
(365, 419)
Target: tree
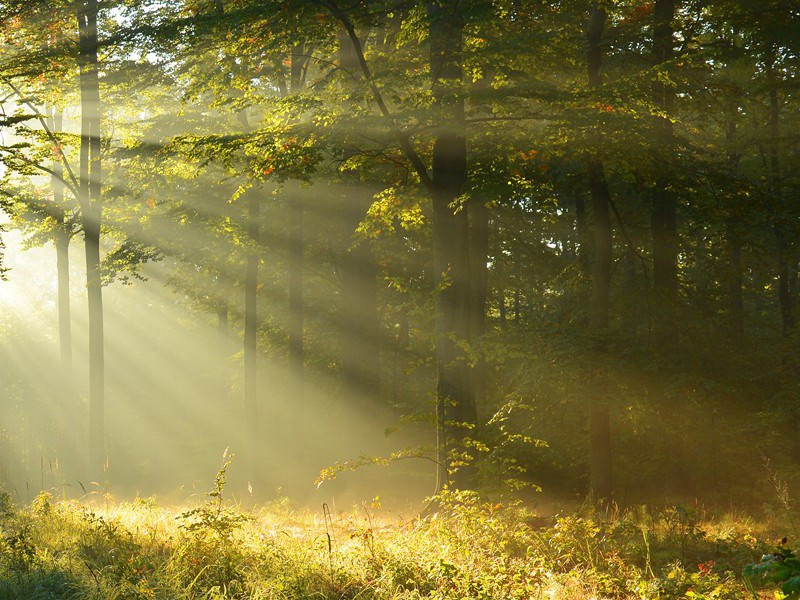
(91, 212)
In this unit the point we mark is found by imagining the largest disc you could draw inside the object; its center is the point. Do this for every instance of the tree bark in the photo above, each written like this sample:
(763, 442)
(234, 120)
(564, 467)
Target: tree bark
(250, 337)
(478, 279)
(735, 298)
(664, 208)
(296, 313)
(600, 485)
(295, 247)
(63, 235)
(90, 190)
(784, 246)
(456, 406)
(360, 332)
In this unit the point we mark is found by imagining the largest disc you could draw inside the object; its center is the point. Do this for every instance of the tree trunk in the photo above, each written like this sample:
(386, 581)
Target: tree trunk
(582, 227)
(600, 487)
(629, 311)
(250, 338)
(664, 207)
(735, 299)
(90, 188)
(63, 235)
(296, 243)
(360, 347)
(603, 246)
(296, 316)
(222, 324)
(478, 278)
(784, 246)
(456, 406)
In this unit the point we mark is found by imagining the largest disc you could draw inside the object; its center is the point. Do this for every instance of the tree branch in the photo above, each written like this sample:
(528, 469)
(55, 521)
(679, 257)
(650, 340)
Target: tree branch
(402, 138)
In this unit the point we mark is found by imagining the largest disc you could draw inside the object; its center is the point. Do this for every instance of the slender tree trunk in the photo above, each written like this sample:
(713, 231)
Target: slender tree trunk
(223, 349)
(360, 332)
(250, 337)
(629, 317)
(664, 207)
(296, 243)
(785, 293)
(222, 322)
(582, 228)
(90, 187)
(62, 260)
(456, 405)
(735, 298)
(62, 241)
(603, 246)
(600, 485)
(478, 278)
(296, 313)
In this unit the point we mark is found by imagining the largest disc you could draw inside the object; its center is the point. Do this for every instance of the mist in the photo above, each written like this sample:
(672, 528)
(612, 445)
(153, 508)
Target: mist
(284, 282)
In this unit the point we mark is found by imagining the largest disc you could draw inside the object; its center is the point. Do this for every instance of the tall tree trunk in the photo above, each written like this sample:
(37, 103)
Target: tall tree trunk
(478, 280)
(222, 324)
(250, 337)
(296, 313)
(629, 311)
(582, 228)
(785, 292)
(296, 243)
(90, 187)
(664, 207)
(360, 347)
(456, 405)
(62, 241)
(359, 317)
(600, 485)
(735, 298)
(63, 235)
(223, 350)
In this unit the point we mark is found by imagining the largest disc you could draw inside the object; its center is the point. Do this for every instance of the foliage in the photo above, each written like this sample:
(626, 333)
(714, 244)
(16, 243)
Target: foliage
(464, 548)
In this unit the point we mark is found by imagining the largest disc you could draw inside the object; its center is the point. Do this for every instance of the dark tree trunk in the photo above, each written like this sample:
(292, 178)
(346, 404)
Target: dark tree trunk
(90, 187)
(664, 207)
(735, 298)
(784, 246)
(600, 485)
(630, 314)
(603, 246)
(63, 235)
(456, 405)
(296, 313)
(250, 337)
(222, 323)
(478, 278)
(360, 347)
(359, 316)
(582, 228)
(64, 325)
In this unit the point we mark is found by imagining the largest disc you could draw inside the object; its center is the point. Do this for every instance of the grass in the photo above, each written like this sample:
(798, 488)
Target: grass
(465, 549)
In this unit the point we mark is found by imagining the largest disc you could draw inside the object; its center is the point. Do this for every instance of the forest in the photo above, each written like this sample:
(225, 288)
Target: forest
(400, 299)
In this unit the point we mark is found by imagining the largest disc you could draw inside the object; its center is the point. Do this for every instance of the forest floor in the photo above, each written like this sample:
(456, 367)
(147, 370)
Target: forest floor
(465, 549)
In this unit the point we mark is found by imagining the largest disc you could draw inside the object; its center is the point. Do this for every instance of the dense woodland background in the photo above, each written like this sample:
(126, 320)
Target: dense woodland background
(545, 243)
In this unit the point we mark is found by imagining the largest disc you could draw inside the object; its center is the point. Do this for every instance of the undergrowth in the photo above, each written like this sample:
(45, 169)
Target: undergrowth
(464, 549)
